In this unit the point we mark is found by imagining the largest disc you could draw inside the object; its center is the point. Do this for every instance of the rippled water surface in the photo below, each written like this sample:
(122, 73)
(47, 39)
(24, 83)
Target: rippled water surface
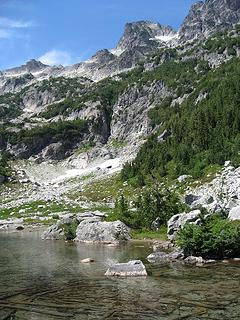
(41, 280)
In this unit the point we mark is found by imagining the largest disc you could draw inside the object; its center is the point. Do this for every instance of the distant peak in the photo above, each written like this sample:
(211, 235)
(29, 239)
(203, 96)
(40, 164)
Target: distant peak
(141, 33)
(208, 17)
(35, 63)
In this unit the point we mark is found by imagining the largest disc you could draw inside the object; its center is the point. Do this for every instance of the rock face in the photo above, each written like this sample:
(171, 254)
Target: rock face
(129, 120)
(133, 268)
(143, 34)
(208, 17)
(30, 67)
(179, 220)
(222, 193)
(94, 230)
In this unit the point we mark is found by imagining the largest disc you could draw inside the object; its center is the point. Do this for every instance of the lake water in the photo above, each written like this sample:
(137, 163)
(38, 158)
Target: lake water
(44, 280)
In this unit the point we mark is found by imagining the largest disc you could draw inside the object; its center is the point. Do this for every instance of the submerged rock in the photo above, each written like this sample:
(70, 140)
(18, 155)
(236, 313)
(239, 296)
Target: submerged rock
(87, 260)
(163, 257)
(94, 230)
(159, 245)
(133, 268)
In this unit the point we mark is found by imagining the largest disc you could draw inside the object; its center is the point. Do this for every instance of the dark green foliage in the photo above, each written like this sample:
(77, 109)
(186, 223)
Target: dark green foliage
(4, 168)
(70, 230)
(54, 132)
(150, 205)
(105, 91)
(154, 204)
(62, 86)
(216, 238)
(62, 108)
(10, 106)
(202, 133)
(221, 42)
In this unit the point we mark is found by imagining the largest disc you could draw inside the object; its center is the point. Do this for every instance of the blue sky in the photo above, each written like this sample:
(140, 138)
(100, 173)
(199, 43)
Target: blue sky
(69, 31)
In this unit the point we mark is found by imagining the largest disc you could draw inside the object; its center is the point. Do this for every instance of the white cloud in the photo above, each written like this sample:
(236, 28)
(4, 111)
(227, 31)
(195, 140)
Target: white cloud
(56, 57)
(9, 23)
(5, 34)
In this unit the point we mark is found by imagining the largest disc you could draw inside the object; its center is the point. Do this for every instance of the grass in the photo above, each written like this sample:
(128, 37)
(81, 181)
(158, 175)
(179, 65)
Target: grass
(118, 144)
(161, 234)
(84, 148)
(105, 190)
(47, 209)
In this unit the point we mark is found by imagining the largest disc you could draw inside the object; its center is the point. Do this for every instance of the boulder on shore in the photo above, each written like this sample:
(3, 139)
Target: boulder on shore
(58, 230)
(134, 268)
(95, 230)
(87, 227)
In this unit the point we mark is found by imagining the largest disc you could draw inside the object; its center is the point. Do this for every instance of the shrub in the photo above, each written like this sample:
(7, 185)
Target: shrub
(55, 216)
(150, 205)
(216, 238)
(70, 230)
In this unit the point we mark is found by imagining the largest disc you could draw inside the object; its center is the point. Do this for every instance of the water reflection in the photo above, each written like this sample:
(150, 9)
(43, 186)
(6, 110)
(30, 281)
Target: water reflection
(45, 280)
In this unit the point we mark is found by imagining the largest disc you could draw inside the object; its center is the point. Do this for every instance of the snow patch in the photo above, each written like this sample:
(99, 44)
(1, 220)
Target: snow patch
(117, 51)
(112, 165)
(165, 38)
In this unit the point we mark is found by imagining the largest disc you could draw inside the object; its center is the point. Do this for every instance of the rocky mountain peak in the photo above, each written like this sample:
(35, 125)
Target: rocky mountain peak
(208, 17)
(35, 65)
(102, 56)
(30, 67)
(144, 34)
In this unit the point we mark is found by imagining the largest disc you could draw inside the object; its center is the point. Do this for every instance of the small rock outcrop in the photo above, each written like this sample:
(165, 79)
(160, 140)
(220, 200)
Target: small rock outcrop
(95, 230)
(179, 220)
(163, 257)
(234, 214)
(133, 268)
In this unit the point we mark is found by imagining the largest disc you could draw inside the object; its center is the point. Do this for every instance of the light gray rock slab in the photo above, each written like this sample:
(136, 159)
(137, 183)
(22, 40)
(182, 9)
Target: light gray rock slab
(163, 257)
(234, 214)
(134, 268)
(95, 230)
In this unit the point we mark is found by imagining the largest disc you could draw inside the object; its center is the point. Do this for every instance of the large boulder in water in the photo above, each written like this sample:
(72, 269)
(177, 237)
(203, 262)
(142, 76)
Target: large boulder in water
(95, 230)
(133, 268)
